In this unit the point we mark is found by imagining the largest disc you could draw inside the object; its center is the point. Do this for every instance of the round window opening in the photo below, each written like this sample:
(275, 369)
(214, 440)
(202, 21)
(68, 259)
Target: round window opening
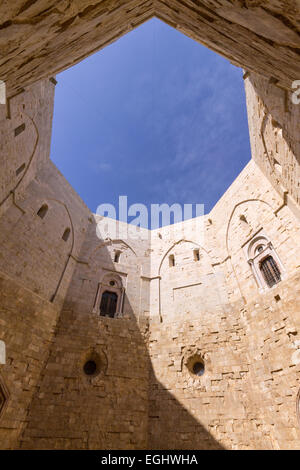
(112, 283)
(198, 368)
(195, 365)
(90, 368)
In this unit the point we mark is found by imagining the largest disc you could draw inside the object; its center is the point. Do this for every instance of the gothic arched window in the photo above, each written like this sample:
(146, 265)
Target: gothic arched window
(264, 261)
(108, 305)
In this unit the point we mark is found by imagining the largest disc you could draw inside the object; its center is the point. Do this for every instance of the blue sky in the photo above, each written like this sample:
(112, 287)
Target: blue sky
(154, 116)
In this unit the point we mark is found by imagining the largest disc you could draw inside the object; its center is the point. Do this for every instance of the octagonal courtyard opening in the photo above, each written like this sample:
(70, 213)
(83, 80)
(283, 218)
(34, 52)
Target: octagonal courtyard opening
(156, 117)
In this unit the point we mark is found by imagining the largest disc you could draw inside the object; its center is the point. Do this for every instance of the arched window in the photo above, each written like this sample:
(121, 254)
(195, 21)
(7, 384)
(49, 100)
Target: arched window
(270, 271)
(108, 305)
(264, 261)
(42, 211)
(110, 295)
(66, 234)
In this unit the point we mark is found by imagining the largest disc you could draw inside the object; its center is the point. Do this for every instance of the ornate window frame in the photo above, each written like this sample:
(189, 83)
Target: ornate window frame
(256, 250)
(111, 282)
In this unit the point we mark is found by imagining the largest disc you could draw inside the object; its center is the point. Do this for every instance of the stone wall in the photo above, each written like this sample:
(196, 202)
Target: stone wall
(247, 339)
(35, 252)
(275, 142)
(246, 398)
(108, 410)
(25, 135)
(36, 264)
(210, 309)
(41, 38)
(27, 325)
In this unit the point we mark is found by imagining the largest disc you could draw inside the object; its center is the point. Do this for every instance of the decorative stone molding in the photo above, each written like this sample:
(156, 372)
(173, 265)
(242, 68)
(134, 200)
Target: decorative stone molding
(111, 282)
(258, 249)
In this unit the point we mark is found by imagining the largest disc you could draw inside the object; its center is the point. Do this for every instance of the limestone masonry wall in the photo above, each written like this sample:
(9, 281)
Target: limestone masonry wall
(41, 38)
(36, 264)
(27, 324)
(212, 309)
(274, 135)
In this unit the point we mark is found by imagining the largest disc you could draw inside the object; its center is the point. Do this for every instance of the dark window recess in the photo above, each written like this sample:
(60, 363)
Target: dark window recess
(117, 256)
(19, 129)
(108, 306)
(20, 169)
(198, 368)
(66, 234)
(42, 211)
(270, 271)
(171, 261)
(196, 255)
(90, 368)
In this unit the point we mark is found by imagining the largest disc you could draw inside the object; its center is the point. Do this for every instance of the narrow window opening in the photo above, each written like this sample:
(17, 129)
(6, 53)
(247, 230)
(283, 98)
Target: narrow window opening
(196, 255)
(270, 271)
(20, 169)
(117, 256)
(42, 211)
(66, 234)
(19, 129)
(108, 306)
(171, 261)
